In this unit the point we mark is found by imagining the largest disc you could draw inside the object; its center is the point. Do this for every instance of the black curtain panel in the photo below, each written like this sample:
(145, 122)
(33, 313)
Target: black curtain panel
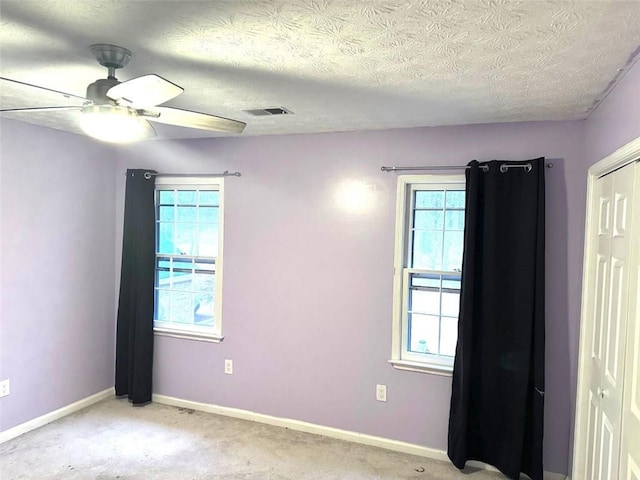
(497, 395)
(134, 336)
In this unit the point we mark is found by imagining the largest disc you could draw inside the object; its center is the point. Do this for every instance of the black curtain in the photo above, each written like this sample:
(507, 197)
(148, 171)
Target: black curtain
(497, 395)
(134, 337)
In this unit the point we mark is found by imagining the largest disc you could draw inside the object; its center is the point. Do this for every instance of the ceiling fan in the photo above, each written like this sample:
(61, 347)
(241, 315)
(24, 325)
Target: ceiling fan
(115, 111)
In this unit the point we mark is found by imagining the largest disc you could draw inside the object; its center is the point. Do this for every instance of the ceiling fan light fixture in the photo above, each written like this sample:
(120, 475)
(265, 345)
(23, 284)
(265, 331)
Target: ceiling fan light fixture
(114, 124)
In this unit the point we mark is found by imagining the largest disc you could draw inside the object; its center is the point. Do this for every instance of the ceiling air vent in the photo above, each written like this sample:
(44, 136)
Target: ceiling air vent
(263, 112)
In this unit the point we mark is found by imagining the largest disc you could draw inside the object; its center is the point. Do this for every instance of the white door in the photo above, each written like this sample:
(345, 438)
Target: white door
(630, 444)
(608, 325)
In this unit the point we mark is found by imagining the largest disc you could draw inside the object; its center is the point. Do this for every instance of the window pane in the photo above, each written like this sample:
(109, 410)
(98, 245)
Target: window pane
(166, 197)
(181, 307)
(203, 310)
(186, 214)
(425, 280)
(451, 282)
(208, 240)
(449, 336)
(429, 199)
(186, 197)
(423, 333)
(455, 199)
(163, 274)
(421, 301)
(209, 265)
(209, 197)
(165, 238)
(450, 304)
(163, 302)
(183, 264)
(427, 250)
(208, 215)
(428, 219)
(182, 281)
(204, 283)
(164, 262)
(166, 214)
(181, 276)
(185, 241)
(452, 251)
(454, 220)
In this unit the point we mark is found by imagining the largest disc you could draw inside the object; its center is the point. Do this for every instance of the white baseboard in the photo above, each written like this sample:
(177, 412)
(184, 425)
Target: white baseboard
(55, 415)
(386, 443)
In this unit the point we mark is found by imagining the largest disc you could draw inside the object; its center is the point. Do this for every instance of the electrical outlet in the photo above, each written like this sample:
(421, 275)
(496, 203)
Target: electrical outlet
(4, 388)
(381, 393)
(228, 367)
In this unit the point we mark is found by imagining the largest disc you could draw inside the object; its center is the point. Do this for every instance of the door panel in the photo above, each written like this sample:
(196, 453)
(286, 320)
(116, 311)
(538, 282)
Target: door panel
(604, 223)
(620, 225)
(593, 452)
(598, 455)
(601, 286)
(613, 346)
(609, 323)
(607, 448)
(630, 444)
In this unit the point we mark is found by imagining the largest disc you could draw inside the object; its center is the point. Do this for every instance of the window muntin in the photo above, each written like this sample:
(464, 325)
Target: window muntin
(437, 228)
(188, 258)
(432, 313)
(428, 271)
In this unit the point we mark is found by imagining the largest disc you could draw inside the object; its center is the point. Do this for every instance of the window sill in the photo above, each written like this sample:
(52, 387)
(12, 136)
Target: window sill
(200, 337)
(409, 366)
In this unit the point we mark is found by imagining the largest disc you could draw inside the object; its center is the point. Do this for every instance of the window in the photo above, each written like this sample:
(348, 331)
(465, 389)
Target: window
(427, 274)
(188, 279)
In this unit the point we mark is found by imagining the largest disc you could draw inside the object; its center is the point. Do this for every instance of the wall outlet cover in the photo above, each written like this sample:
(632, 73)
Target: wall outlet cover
(381, 393)
(5, 388)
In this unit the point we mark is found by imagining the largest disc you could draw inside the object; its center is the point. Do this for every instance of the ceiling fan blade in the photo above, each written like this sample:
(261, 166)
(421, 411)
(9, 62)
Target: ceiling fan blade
(189, 119)
(146, 91)
(41, 109)
(8, 82)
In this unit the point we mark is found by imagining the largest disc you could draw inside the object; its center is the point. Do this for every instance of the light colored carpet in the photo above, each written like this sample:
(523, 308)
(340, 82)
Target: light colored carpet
(113, 440)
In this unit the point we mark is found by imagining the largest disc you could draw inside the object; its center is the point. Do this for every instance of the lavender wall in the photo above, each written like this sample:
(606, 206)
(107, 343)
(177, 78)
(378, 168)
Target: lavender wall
(307, 294)
(616, 121)
(612, 125)
(57, 298)
(307, 286)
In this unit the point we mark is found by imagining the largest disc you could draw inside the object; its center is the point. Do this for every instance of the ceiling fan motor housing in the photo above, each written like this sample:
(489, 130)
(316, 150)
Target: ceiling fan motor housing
(97, 91)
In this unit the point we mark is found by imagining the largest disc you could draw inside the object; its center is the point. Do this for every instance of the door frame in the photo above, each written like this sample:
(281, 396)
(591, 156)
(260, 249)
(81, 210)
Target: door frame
(618, 159)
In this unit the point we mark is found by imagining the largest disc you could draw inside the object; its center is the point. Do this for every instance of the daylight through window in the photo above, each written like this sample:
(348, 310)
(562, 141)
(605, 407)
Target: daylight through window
(188, 258)
(428, 270)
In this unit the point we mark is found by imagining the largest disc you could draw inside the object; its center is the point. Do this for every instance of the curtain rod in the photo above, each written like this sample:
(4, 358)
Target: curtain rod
(226, 173)
(503, 168)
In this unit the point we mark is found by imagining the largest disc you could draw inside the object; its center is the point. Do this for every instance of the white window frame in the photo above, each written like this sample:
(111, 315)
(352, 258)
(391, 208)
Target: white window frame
(401, 358)
(207, 334)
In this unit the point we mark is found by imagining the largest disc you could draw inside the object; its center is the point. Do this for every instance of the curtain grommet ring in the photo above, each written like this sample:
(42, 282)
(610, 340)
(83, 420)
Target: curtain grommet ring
(503, 168)
(528, 167)
(147, 175)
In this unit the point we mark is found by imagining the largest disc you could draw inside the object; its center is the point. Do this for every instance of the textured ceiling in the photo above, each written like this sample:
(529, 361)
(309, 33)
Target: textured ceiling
(337, 64)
